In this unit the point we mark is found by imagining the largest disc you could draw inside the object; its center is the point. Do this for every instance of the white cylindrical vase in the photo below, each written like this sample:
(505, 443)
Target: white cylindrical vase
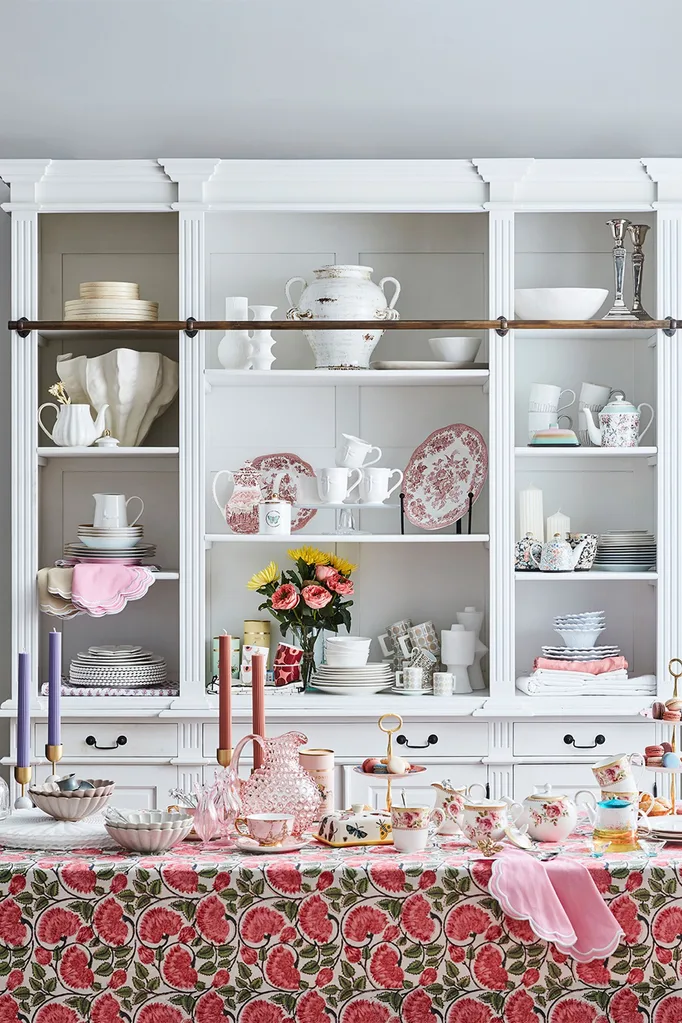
(262, 340)
(531, 518)
(234, 349)
(472, 620)
(458, 651)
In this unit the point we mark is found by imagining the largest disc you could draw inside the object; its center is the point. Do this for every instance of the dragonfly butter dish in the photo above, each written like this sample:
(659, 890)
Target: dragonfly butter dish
(358, 826)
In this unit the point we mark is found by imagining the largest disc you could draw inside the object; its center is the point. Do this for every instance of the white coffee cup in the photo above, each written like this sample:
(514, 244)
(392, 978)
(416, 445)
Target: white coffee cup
(410, 679)
(333, 485)
(352, 452)
(111, 511)
(545, 421)
(547, 398)
(374, 485)
(593, 397)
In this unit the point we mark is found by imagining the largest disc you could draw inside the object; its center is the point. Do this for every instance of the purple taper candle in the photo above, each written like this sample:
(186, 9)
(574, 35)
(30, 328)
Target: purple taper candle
(24, 712)
(54, 690)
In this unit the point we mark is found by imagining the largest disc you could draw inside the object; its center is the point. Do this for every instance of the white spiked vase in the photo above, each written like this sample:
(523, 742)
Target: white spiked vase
(343, 292)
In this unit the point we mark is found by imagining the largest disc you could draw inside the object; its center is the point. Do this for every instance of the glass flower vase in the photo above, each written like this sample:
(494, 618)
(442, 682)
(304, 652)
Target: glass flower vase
(280, 785)
(306, 639)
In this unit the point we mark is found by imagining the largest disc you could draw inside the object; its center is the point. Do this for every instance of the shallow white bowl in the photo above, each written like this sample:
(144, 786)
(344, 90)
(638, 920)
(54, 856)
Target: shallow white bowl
(353, 659)
(455, 349)
(579, 640)
(558, 303)
(151, 839)
(109, 543)
(71, 806)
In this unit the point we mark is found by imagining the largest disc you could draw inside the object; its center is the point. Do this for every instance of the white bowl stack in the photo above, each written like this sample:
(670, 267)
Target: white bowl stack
(110, 300)
(346, 651)
(148, 831)
(580, 631)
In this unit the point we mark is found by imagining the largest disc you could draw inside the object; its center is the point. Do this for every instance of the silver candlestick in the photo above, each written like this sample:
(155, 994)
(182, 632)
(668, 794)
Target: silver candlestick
(619, 310)
(637, 234)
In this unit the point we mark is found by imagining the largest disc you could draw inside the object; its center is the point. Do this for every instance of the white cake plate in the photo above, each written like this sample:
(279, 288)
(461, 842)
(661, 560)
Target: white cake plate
(33, 829)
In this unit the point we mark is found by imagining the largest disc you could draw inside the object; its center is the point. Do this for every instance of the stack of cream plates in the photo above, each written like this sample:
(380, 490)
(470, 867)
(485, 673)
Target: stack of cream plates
(127, 666)
(110, 300)
(668, 827)
(369, 679)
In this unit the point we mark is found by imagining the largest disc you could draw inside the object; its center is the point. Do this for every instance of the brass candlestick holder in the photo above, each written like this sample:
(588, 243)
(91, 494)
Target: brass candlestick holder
(53, 753)
(22, 776)
(224, 756)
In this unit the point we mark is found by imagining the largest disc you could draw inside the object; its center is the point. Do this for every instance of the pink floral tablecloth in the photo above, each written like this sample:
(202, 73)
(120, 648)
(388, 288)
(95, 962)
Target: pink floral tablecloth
(321, 936)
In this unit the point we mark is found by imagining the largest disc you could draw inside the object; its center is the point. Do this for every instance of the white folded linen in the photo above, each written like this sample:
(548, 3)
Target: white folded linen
(586, 685)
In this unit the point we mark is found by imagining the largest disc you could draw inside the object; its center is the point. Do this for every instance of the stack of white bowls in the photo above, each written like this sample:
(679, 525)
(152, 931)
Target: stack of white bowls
(580, 631)
(346, 651)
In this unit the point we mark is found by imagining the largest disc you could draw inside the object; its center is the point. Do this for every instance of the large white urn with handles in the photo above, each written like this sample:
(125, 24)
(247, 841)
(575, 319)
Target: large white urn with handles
(342, 292)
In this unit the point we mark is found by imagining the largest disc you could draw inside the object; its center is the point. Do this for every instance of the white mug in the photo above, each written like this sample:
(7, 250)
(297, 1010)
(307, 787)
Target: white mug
(374, 485)
(593, 397)
(546, 398)
(333, 486)
(545, 421)
(352, 452)
(111, 511)
(409, 679)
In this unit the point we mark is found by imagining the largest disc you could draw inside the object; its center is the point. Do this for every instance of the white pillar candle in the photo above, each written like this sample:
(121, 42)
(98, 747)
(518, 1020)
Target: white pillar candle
(531, 518)
(558, 523)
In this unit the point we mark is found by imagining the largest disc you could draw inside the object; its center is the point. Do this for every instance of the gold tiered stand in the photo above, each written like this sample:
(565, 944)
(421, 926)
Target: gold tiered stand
(672, 771)
(390, 778)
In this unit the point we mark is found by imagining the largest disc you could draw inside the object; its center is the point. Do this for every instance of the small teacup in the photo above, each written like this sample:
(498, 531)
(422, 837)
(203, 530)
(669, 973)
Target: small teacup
(410, 679)
(630, 797)
(486, 819)
(265, 828)
(413, 826)
(614, 773)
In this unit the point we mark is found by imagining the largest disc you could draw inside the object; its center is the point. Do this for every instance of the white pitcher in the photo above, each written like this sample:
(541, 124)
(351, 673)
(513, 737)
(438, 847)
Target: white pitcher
(111, 511)
(73, 426)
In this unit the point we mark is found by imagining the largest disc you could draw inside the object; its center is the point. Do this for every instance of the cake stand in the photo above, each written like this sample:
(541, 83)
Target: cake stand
(672, 771)
(390, 778)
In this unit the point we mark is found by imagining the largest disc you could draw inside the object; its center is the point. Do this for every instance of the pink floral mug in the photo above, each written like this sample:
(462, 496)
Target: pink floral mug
(412, 826)
(487, 819)
(614, 773)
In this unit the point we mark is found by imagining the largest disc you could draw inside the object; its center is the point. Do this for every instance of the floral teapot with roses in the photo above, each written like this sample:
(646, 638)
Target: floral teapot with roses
(550, 818)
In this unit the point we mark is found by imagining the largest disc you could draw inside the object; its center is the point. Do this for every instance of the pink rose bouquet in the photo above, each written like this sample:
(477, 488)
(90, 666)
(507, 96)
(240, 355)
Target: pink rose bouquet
(308, 598)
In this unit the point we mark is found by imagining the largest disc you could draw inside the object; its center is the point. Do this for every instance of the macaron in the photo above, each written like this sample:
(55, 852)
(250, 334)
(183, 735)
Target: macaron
(658, 710)
(653, 751)
(671, 760)
(369, 764)
(671, 715)
(666, 747)
(654, 761)
(675, 703)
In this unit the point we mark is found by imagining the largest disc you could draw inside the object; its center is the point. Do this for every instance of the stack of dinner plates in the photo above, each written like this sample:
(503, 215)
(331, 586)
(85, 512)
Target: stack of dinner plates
(668, 827)
(124, 666)
(368, 679)
(110, 300)
(569, 653)
(626, 550)
(133, 554)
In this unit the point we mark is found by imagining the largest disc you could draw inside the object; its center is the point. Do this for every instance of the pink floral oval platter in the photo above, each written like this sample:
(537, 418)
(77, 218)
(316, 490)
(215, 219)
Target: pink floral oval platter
(269, 466)
(444, 469)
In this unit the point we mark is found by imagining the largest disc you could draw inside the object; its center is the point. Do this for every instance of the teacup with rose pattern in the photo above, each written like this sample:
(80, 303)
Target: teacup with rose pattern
(487, 819)
(614, 773)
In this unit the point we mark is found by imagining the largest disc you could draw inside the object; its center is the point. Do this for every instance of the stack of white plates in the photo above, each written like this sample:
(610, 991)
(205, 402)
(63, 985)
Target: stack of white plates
(668, 827)
(371, 678)
(110, 300)
(124, 665)
(130, 555)
(569, 653)
(626, 550)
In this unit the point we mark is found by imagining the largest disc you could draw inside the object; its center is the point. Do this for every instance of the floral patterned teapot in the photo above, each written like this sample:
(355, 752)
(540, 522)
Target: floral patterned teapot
(558, 555)
(549, 818)
(618, 423)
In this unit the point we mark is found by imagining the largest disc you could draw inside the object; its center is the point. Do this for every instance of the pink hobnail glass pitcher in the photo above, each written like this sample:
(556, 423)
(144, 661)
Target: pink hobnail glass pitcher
(280, 785)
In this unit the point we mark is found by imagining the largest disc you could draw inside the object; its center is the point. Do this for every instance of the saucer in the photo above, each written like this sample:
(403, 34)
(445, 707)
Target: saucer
(411, 692)
(250, 845)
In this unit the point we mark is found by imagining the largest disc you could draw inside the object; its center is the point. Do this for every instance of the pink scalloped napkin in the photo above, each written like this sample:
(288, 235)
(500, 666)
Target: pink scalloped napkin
(106, 589)
(559, 900)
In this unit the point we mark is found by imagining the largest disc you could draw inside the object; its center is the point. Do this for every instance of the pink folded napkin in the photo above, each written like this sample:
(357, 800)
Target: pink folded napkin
(559, 900)
(106, 589)
(600, 667)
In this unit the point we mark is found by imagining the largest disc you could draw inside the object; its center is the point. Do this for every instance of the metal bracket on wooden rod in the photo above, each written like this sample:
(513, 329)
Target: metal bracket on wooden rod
(502, 329)
(191, 329)
(670, 330)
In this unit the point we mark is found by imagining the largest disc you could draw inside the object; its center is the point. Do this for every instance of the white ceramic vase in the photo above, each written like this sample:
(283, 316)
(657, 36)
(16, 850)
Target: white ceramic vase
(262, 340)
(458, 651)
(137, 386)
(342, 292)
(234, 349)
(472, 620)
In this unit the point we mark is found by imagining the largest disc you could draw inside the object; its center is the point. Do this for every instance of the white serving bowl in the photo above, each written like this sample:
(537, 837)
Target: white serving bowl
(71, 806)
(558, 303)
(455, 349)
(579, 640)
(151, 838)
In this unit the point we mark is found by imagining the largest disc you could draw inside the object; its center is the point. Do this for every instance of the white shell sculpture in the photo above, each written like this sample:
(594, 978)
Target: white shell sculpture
(137, 386)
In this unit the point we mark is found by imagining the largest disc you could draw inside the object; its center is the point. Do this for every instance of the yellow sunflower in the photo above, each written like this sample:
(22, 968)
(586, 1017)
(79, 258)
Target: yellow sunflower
(262, 578)
(310, 555)
(341, 564)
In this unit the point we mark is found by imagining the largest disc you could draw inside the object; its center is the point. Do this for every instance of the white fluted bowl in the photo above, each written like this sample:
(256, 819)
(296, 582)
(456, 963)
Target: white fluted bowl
(150, 832)
(137, 386)
(71, 806)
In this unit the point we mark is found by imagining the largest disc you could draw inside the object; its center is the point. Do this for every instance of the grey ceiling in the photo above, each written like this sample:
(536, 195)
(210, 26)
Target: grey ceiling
(351, 78)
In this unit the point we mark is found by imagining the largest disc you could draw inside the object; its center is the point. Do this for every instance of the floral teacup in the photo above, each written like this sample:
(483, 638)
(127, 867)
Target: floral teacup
(614, 773)
(487, 819)
(412, 826)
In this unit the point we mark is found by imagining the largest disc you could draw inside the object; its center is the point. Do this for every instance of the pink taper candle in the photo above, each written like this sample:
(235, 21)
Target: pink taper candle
(225, 692)
(258, 703)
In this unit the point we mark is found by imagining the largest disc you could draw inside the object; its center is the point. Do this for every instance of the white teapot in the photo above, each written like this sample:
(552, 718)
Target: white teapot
(557, 555)
(73, 426)
(549, 818)
(618, 423)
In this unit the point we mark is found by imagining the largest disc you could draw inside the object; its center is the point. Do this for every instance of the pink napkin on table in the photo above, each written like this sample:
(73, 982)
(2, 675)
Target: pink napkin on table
(106, 589)
(599, 667)
(559, 900)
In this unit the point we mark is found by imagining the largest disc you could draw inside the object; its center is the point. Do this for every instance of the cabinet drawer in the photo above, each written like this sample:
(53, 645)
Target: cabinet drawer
(142, 740)
(357, 740)
(548, 738)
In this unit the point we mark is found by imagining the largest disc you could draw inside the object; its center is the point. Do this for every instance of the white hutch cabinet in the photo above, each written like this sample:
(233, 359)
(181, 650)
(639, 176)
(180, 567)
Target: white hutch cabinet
(460, 236)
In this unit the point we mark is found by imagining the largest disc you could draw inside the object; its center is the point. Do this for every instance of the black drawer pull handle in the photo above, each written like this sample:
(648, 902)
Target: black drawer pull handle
(599, 740)
(92, 741)
(430, 741)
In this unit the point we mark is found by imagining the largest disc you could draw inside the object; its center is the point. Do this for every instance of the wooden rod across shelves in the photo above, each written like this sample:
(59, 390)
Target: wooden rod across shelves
(149, 326)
